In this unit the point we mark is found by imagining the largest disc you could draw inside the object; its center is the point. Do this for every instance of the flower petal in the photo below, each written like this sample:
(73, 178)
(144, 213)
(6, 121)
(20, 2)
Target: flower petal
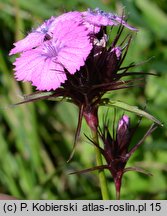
(75, 44)
(72, 15)
(35, 38)
(94, 19)
(42, 71)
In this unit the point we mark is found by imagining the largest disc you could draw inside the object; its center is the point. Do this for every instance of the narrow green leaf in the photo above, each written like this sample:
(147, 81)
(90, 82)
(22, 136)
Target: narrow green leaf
(34, 97)
(133, 109)
(37, 95)
(137, 169)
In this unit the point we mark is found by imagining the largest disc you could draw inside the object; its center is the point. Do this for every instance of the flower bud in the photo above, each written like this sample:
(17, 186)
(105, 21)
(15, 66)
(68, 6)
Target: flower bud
(123, 134)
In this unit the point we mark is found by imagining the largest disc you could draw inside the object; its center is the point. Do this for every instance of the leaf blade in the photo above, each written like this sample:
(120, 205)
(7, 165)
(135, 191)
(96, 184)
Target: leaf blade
(133, 109)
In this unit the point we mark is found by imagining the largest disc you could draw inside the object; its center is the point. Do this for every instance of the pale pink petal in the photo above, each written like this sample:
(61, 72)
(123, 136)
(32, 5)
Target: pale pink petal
(41, 70)
(97, 18)
(27, 64)
(72, 15)
(93, 29)
(49, 76)
(35, 38)
(47, 26)
(122, 22)
(74, 44)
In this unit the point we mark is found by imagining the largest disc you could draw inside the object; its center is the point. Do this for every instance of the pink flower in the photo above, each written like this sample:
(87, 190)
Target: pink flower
(61, 45)
(45, 65)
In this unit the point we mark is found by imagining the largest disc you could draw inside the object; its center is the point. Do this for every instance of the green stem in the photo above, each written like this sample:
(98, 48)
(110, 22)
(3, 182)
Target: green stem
(99, 162)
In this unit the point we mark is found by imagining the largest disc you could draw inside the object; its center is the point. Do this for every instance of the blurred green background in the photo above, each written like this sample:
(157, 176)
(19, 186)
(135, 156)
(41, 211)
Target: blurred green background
(36, 138)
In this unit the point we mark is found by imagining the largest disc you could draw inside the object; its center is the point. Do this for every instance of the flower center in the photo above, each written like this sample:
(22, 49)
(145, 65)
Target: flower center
(49, 50)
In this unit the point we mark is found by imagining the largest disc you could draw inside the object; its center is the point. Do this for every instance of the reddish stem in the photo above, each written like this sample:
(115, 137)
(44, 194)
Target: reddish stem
(118, 184)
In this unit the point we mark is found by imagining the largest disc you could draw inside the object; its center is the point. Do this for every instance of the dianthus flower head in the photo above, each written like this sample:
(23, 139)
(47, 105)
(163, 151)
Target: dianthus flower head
(74, 58)
(116, 149)
(60, 44)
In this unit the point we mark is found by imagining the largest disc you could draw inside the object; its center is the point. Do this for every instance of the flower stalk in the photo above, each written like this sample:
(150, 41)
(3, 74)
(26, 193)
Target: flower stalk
(101, 174)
